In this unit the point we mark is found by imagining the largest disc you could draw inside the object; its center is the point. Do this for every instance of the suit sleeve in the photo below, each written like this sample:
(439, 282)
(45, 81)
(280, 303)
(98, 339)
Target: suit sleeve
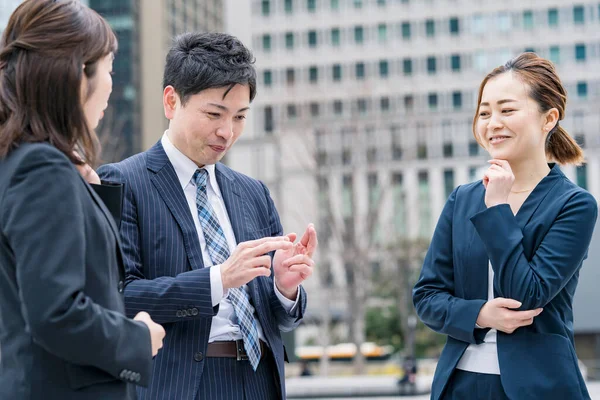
(286, 321)
(537, 281)
(433, 294)
(167, 299)
(44, 223)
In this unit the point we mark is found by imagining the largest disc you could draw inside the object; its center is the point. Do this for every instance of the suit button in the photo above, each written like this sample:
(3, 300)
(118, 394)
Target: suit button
(123, 374)
(194, 311)
(184, 313)
(199, 356)
(179, 314)
(120, 286)
(190, 312)
(138, 377)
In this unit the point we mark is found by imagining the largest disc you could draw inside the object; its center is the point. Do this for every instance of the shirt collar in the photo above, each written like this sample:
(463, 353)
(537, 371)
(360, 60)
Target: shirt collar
(184, 167)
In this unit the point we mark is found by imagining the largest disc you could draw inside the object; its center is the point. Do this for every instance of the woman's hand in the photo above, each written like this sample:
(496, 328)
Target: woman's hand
(499, 314)
(498, 180)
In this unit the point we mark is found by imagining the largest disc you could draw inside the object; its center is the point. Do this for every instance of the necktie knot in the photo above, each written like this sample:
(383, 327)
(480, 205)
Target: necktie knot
(200, 177)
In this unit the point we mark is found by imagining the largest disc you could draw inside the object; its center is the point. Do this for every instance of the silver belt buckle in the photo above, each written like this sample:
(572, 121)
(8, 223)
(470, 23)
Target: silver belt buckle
(240, 351)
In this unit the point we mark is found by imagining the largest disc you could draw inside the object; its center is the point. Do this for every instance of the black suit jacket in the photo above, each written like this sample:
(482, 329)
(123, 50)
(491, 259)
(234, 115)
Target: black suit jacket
(63, 333)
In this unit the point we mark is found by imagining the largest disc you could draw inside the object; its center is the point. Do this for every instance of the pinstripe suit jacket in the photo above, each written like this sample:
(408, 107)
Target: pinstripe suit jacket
(165, 275)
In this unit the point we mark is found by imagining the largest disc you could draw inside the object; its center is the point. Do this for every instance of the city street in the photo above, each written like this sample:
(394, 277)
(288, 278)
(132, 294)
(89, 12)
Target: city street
(352, 386)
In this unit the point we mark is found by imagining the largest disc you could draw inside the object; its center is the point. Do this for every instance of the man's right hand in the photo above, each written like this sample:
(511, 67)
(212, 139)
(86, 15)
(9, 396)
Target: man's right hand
(498, 314)
(157, 332)
(251, 259)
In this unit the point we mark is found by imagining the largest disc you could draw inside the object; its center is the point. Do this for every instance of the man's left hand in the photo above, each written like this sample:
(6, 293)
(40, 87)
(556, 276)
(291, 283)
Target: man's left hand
(294, 266)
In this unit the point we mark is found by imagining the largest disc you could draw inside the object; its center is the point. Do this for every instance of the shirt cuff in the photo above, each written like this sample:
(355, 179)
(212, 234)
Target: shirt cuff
(216, 285)
(290, 306)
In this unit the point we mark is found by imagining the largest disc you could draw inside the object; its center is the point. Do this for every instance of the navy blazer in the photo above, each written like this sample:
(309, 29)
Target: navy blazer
(536, 256)
(63, 331)
(165, 272)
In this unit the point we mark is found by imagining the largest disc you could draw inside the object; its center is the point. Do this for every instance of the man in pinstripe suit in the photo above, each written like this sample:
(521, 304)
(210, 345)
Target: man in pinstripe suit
(199, 237)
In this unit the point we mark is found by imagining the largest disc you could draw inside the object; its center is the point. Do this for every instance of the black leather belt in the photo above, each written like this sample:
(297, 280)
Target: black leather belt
(232, 349)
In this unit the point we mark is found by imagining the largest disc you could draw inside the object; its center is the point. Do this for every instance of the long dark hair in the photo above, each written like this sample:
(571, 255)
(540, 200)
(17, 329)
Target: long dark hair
(546, 89)
(42, 53)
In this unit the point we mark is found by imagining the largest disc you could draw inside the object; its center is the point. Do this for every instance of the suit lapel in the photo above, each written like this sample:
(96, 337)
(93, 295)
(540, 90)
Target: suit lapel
(166, 183)
(536, 197)
(235, 203)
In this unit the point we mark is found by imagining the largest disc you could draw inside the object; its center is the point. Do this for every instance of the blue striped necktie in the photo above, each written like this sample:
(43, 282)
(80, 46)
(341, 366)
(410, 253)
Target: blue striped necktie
(218, 251)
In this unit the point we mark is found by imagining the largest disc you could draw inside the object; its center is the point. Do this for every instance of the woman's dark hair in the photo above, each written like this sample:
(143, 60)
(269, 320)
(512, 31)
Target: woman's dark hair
(43, 51)
(199, 61)
(546, 89)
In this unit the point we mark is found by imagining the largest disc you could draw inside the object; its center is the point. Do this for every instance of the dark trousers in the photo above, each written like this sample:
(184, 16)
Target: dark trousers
(465, 385)
(228, 379)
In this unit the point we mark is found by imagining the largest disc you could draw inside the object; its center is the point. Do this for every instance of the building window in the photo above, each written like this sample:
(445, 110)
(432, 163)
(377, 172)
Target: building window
(399, 204)
(290, 76)
(360, 70)
(455, 62)
(473, 148)
(314, 109)
(504, 22)
(289, 40)
(407, 66)
(555, 54)
(268, 119)
(335, 4)
(381, 3)
(448, 150)
(338, 107)
(358, 34)
(311, 5)
(582, 89)
(431, 65)
(406, 30)
(384, 104)
(313, 74)
(472, 174)
(424, 206)
(361, 106)
(358, 3)
(552, 17)
(383, 69)
(582, 176)
(430, 28)
(289, 8)
(382, 33)
(457, 100)
(529, 50)
(268, 77)
(266, 42)
(337, 72)
(580, 52)
(528, 19)
(266, 7)
(292, 112)
(454, 26)
(335, 37)
(409, 102)
(347, 195)
(432, 100)
(578, 15)
(448, 181)
(312, 38)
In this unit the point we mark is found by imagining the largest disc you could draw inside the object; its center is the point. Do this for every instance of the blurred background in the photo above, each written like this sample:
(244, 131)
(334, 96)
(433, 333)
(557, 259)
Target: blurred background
(362, 125)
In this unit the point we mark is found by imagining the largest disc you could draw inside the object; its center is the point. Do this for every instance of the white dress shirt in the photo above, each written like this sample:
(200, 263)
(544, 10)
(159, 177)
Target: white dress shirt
(483, 358)
(223, 327)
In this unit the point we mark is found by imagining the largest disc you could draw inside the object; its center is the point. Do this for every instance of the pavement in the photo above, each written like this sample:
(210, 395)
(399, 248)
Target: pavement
(365, 387)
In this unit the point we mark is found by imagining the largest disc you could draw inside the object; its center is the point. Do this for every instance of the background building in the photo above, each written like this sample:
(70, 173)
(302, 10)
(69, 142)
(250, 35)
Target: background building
(367, 105)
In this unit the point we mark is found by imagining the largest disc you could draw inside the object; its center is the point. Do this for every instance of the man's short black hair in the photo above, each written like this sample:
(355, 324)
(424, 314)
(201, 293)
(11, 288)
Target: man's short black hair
(200, 60)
